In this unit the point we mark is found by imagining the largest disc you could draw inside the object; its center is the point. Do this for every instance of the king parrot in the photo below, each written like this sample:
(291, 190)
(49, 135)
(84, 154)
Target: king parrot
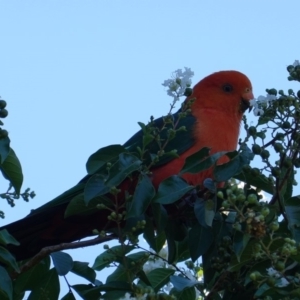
(214, 121)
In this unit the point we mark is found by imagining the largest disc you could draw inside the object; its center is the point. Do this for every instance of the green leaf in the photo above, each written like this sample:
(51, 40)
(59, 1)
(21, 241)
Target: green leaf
(240, 241)
(155, 239)
(95, 187)
(110, 255)
(4, 149)
(200, 239)
(68, 296)
(171, 190)
(262, 289)
(204, 212)
(259, 181)
(186, 294)
(102, 157)
(292, 210)
(62, 262)
(159, 277)
(199, 161)
(115, 285)
(126, 164)
(77, 206)
(180, 283)
(49, 287)
(82, 269)
(226, 171)
(160, 216)
(87, 291)
(99, 184)
(12, 170)
(183, 252)
(32, 278)
(246, 257)
(143, 194)
(6, 238)
(7, 258)
(120, 274)
(6, 287)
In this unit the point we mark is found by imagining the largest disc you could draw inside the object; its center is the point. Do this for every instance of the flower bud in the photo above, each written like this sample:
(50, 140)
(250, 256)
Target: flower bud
(2, 103)
(256, 149)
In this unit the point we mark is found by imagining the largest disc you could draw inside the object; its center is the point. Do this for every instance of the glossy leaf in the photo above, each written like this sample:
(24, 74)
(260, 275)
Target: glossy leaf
(105, 258)
(6, 238)
(99, 184)
(204, 212)
(143, 194)
(102, 157)
(160, 216)
(6, 288)
(120, 274)
(258, 181)
(186, 294)
(159, 277)
(200, 161)
(82, 269)
(200, 239)
(155, 239)
(171, 190)
(95, 187)
(62, 262)
(12, 170)
(180, 283)
(240, 241)
(226, 171)
(7, 258)
(32, 278)
(4, 149)
(244, 258)
(49, 286)
(68, 296)
(87, 291)
(292, 210)
(77, 206)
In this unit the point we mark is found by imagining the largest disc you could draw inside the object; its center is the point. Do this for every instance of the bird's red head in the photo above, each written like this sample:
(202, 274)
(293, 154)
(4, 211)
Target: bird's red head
(227, 91)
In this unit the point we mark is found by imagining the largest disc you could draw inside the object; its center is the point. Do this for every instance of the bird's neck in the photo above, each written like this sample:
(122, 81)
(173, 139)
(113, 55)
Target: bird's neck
(218, 130)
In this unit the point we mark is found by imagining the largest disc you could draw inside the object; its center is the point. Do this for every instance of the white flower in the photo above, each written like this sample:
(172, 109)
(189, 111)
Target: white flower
(296, 63)
(260, 103)
(283, 282)
(128, 297)
(151, 265)
(272, 272)
(164, 252)
(258, 112)
(179, 82)
(189, 275)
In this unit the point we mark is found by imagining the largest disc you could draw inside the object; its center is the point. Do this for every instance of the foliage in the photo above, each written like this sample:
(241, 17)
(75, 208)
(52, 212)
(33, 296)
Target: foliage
(220, 242)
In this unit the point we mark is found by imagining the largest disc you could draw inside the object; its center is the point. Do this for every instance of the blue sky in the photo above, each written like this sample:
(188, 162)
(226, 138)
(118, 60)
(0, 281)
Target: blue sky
(79, 75)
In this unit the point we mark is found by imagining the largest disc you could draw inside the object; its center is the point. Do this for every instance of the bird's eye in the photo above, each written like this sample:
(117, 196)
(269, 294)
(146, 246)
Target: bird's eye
(227, 88)
(247, 90)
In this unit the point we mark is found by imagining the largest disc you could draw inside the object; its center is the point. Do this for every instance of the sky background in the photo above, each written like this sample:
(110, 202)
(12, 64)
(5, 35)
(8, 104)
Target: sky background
(79, 75)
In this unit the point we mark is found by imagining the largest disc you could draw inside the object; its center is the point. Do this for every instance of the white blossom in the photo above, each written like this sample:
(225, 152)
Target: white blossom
(164, 252)
(282, 282)
(128, 297)
(260, 103)
(179, 81)
(296, 63)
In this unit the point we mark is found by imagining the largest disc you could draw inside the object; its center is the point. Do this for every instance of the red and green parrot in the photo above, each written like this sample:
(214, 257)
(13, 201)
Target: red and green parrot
(214, 121)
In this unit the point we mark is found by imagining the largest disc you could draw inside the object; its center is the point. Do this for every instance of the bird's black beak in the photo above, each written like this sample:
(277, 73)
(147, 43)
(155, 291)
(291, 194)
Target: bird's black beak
(245, 104)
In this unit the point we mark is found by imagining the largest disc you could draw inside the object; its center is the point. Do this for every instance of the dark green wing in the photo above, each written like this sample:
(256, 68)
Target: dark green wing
(182, 141)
